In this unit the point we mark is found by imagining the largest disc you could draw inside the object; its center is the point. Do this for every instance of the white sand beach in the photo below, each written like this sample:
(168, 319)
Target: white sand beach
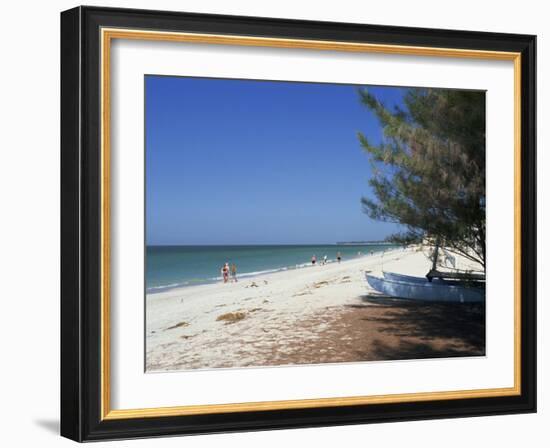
(322, 313)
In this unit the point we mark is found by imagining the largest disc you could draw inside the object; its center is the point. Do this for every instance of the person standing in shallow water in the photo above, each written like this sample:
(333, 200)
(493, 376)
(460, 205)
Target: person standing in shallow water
(339, 257)
(313, 260)
(234, 272)
(225, 272)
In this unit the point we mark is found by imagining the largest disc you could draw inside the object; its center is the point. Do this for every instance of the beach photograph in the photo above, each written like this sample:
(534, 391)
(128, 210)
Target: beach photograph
(293, 223)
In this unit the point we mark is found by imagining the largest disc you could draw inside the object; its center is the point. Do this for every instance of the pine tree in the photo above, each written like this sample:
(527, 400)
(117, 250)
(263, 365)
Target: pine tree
(429, 170)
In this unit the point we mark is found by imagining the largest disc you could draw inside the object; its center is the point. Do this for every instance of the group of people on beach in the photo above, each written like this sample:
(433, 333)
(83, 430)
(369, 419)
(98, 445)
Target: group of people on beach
(324, 260)
(229, 273)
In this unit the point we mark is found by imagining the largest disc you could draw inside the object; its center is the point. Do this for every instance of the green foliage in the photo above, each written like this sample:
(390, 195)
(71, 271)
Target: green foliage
(429, 170)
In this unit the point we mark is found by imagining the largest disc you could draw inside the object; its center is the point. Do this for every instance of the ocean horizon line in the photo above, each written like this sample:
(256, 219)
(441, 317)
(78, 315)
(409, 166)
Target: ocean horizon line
(343, 243)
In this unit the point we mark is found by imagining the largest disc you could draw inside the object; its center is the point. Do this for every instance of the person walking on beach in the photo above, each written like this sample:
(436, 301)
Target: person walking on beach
(339, 257)
(225, 272)
(234, 272)
(313, 260)
(325, 258)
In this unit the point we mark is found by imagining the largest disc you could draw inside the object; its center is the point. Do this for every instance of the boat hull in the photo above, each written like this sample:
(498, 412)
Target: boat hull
(426, 291)
(408, 278)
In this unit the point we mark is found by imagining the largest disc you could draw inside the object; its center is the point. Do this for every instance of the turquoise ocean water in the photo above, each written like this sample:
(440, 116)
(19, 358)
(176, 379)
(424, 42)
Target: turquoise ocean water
(170, 267)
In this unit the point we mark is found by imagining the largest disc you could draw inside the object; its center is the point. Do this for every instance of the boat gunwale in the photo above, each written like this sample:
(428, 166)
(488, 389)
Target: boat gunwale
(426, 284)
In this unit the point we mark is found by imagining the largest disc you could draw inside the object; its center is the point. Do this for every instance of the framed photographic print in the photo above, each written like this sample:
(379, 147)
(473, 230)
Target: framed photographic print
(274, 223)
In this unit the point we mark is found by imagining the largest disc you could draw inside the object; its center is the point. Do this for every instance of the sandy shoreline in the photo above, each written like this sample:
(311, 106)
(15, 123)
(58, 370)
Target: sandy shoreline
(309, 315)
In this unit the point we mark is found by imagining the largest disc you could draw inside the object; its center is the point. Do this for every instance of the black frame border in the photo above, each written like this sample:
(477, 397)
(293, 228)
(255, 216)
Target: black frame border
(81, 223)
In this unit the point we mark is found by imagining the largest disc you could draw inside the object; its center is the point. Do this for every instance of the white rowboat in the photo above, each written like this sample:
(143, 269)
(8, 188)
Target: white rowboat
(417, 288)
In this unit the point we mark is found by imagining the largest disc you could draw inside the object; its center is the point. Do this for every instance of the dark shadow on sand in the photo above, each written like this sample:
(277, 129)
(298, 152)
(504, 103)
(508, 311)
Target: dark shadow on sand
(461, 323)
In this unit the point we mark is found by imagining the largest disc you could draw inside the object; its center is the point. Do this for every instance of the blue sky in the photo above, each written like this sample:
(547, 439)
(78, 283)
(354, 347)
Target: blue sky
(258, 162)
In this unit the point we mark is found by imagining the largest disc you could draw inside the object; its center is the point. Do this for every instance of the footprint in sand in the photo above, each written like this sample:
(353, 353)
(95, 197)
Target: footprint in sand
(178, 325)
(304, 293)
(253, 310)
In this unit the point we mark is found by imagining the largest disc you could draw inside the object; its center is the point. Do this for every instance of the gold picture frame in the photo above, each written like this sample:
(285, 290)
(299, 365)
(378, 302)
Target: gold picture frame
(117, 25)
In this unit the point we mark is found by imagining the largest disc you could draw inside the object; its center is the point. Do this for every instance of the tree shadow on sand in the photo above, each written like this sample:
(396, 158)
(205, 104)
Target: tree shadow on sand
(424, 329)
